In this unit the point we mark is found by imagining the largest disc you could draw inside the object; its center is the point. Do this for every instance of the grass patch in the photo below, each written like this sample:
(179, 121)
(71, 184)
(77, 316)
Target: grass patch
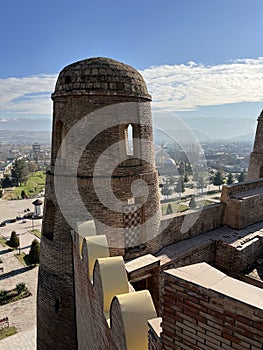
(6, 332)
(10, 296)
(35, 183)
(36, 233)
(176, 208)
(3, 242)
(23, 259)
(204, 203)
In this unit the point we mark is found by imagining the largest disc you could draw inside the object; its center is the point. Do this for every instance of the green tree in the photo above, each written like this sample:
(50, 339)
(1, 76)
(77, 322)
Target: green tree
(186, 177)
(218, 179)
(166, 191)
(33, 256)
(19, 171)
(6, 182)
(20, 287)
(230, 179)
(241, 176)
(180, 186)
(14, 240)
(169, 209)
(192, 203)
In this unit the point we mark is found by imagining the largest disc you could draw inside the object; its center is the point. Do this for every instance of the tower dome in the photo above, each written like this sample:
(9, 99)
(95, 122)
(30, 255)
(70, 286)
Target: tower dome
(101, 76)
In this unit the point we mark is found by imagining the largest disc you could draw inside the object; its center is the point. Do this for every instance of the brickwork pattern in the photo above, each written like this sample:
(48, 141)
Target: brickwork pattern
(100, 75)
(197, 318)
(241, 201)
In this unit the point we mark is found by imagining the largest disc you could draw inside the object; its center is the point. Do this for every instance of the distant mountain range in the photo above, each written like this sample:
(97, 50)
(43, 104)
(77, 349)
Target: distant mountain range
(207, 129)
(204, 129)
(30, 124)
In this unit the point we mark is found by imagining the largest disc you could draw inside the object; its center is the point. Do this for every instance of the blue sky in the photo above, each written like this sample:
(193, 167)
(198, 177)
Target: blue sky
(199, 58)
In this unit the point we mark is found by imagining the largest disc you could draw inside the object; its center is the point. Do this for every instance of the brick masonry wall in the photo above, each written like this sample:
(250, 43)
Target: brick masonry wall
(235, 260)
(154, 341)
(197, 318)
(195, 222)
(56, 301)
(229, 190)
(154, 336)
(93, 331)
(241, 201)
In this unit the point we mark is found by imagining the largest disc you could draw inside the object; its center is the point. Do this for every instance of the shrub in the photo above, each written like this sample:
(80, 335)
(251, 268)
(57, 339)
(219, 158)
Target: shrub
(33, 256)
(14, 240)
(3, 294)
(21, 287)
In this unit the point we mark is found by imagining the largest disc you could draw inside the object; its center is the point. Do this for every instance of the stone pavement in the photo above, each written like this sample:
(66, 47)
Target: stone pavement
(22, 313)
(22, 341)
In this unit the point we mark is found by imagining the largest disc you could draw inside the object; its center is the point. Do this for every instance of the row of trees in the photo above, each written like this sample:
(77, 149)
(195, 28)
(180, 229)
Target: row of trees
(201, 179)
(19, 172)
(33, 256)
(218, 179)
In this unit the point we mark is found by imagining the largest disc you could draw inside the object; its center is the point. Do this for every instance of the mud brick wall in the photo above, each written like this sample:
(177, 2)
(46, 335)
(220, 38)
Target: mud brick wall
(185, 225)
(241, 201)
(93, 331)
(230, 190)
(235, 260)
(197, 318)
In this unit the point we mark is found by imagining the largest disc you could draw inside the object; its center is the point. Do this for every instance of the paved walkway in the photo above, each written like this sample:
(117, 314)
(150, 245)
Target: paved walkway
(22, 313)
(22, 341)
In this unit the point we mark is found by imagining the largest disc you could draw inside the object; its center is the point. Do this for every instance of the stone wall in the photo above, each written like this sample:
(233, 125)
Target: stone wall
(185, 225)
(92, 327)
(234, 260)
(198, 315)
(154, 335)
(241, 201)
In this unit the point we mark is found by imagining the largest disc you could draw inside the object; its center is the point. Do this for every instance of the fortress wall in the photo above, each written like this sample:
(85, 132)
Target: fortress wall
(229, 190)
(185, 225)
(235, 260)
(154, 334)
(202, 315)
(243, 203)
(92, 329)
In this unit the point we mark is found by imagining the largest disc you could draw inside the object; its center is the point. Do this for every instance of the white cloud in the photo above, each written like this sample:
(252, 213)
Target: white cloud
(173, 87)
(181, 87)
(27, 95)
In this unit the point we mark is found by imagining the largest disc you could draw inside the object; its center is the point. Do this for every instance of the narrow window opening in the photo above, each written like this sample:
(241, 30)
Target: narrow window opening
(60, 134)
(129, 141)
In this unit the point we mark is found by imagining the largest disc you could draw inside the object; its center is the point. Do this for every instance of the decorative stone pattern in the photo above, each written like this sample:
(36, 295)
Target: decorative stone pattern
(132, 225)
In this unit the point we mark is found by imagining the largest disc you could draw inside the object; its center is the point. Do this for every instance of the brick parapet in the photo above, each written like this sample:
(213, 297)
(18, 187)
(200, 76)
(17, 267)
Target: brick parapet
(195, 317)
(230, 190)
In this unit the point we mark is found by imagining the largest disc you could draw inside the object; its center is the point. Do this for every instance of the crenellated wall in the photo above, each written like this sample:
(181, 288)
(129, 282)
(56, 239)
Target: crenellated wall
(108, 310)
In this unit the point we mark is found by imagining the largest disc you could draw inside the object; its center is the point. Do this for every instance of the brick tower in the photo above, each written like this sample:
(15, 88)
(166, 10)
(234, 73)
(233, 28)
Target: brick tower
(255, 169)
(108, 100)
